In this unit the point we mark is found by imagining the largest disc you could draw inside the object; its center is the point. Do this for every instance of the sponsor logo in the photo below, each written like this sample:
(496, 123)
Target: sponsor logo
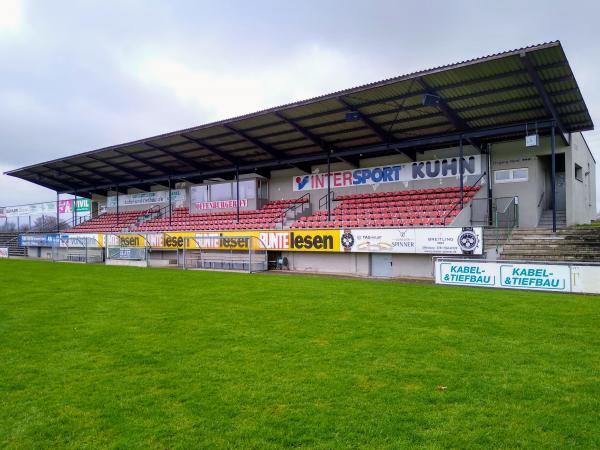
(467, 240)
(174, 241)
(311, 242)
(301, 182)
(347, 240)
(419, 170)
(130, 241)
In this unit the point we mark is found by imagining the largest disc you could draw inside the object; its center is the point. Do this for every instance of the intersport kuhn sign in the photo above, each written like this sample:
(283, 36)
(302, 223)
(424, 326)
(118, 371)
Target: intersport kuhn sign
(413, 171)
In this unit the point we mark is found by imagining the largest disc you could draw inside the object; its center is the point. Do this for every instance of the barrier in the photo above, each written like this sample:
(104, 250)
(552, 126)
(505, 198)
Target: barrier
(130, 251)
(73, 248)
(245, 253)
(529, 275)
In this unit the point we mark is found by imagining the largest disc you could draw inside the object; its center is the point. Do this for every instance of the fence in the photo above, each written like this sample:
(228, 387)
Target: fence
(46, 216)
(132, 247)
(82, 249)
(242, 253)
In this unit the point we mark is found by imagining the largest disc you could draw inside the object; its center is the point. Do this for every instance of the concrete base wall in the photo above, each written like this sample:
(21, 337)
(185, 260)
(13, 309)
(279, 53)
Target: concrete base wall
(358, 264)
(126, 262)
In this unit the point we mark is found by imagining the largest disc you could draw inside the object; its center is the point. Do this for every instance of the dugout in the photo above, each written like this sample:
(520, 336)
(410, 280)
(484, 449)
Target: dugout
(502, 134)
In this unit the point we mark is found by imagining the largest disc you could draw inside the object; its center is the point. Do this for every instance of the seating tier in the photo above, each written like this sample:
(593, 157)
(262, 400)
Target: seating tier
(425, 207)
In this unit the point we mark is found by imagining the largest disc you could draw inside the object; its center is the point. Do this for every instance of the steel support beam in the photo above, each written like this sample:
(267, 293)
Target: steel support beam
(257, 143)
(133, 173)
(214, 150)
(93, 171)
(539, 86)
(382, 134)
(156, 167)
(176, 156)
(319, 158)
(66, 174)
(52, 180)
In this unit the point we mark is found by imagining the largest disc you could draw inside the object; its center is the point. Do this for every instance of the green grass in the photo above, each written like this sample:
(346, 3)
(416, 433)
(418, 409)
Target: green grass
(95, 356)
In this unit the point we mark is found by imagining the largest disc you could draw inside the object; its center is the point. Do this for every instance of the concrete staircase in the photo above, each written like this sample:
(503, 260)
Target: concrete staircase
(11, 241)
(546, 219)
(567, 244)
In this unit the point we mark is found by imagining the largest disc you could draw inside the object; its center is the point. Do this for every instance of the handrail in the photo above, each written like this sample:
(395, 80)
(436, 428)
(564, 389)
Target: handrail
(541, 199)
(331, 194)
(458, 202)
(294, 207)
(509, 228)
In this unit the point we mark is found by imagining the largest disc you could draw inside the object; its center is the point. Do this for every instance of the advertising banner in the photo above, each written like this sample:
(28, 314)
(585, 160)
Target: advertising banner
(284, 240)
(3, 252)
(435, 241)
(82, 205)
(61, 240)
(412, 171)
(543, 277)
(224, 204)
(147, 198)
(48, 208)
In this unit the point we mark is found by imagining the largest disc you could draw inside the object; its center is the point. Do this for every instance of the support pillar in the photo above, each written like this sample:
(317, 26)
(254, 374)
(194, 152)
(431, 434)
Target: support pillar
(237, 192)
(328, 185)
(57, 214)
(461, 172)
(117, 205)
(170, 203)
(490, 192)
(553, 175)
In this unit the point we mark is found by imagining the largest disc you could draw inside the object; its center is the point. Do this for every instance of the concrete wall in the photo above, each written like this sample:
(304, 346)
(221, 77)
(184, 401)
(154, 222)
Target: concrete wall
(335, 263)
(580, 194)
(358, 264)
(514, 155)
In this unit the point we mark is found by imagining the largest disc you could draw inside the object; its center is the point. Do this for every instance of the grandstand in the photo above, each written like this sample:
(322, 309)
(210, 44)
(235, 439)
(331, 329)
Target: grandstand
(373, 180)
(425, 207)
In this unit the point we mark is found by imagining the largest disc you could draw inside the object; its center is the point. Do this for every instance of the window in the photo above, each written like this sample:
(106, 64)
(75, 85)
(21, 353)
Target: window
(578, 172)
(247, 189)
(199, 193)
(221, 191)
(511, 175)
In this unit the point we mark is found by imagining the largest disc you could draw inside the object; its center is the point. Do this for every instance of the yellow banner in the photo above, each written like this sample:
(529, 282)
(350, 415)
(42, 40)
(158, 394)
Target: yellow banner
(282, 240)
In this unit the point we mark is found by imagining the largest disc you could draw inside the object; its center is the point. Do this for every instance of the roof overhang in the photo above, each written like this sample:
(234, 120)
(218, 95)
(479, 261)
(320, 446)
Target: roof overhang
(480, 100)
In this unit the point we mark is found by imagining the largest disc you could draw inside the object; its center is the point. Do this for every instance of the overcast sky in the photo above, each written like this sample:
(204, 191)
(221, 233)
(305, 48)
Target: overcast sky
(79, 75)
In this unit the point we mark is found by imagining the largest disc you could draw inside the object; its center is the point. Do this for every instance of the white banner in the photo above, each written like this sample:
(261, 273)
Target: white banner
(223, 204)
(541, 277)
(585, 279)
(81, 240)
(146, 198)
(3, 252)
(412, 171)
(435, 241)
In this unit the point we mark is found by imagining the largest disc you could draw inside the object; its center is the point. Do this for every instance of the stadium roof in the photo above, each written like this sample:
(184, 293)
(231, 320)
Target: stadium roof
(479, 100)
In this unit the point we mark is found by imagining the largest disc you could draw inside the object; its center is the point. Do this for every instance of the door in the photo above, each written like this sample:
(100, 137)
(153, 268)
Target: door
(381, 264)
(561, 195)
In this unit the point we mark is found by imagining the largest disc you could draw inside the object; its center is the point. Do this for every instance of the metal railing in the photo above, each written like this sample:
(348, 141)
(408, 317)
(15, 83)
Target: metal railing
(504, 216)
(298, 203)
(242, 253)
(541, 200)
(78, 249)
(134, 247)
(323, 200)
(461, 200)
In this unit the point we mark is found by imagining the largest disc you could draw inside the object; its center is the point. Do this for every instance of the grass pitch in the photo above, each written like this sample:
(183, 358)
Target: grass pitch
(95, 356)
